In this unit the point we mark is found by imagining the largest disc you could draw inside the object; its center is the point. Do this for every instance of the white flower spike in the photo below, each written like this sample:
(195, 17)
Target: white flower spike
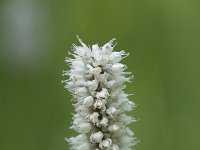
(96, 81)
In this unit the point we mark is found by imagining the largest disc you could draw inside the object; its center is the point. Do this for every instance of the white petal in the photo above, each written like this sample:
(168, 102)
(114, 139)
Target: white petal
(118, 67)
(83, 127)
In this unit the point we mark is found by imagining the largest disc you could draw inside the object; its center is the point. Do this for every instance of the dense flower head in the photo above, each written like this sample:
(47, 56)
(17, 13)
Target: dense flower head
(97, 81)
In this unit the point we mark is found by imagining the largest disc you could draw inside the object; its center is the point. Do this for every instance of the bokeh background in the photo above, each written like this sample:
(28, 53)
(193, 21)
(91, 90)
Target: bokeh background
(162, 36)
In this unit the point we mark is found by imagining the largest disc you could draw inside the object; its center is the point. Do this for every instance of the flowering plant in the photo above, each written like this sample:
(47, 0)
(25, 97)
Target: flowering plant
(97, 81)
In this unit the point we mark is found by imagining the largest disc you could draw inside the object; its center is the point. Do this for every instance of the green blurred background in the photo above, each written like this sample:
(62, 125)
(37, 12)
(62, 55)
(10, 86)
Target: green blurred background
(162, 36)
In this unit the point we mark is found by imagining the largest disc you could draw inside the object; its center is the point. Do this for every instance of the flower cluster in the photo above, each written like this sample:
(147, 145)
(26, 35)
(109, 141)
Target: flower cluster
(96, 81)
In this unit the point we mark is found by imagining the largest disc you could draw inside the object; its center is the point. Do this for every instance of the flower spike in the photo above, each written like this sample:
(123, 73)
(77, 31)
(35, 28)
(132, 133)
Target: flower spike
(97, 81)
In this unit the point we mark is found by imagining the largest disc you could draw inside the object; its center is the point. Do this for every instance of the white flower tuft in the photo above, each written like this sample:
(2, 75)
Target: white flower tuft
(96, 81)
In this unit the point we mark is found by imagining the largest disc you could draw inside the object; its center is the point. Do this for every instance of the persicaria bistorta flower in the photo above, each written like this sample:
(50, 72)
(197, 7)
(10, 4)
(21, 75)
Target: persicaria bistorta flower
(97, 81)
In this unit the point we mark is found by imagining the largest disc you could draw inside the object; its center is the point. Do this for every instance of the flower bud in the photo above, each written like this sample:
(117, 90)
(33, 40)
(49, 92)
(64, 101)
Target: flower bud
(113, 128)
(105, 144)
(81, 91)
(82, 110)
(94, 117)
(88, 101)
(112, 111)
(115, 57)
(102, 94)
(104, 122)
(96, 137)
(100, 104)
(92, 85)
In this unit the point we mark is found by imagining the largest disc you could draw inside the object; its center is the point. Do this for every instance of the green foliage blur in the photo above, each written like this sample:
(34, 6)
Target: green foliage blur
(162, 37)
